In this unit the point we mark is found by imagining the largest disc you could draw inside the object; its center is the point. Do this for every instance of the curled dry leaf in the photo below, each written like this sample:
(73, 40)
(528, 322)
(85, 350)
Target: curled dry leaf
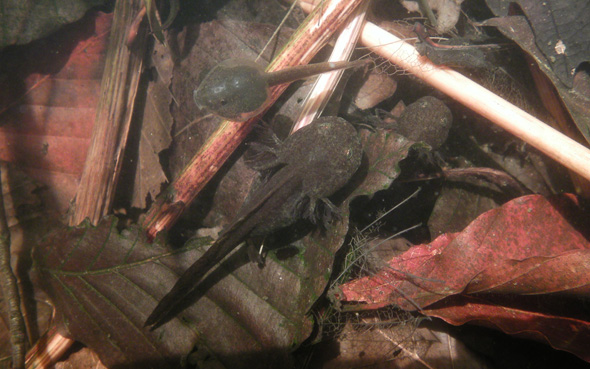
(530, 246)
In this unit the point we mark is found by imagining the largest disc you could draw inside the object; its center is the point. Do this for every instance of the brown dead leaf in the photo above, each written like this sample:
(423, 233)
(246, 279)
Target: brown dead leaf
(48, 101)
(378, 87)
(83, 358)
(457, 206)
(380, 342)
(155, 131)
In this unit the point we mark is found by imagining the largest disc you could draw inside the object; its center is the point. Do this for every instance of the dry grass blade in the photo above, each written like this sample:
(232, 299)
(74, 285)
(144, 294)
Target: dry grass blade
(309, 38)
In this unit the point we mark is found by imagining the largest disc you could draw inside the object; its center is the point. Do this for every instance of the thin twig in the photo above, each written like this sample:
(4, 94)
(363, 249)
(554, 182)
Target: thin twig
(10, 293)
(277, 30)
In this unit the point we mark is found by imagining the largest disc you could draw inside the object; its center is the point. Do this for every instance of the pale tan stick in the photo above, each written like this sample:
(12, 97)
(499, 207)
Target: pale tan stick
(523, 125)
(325, 84)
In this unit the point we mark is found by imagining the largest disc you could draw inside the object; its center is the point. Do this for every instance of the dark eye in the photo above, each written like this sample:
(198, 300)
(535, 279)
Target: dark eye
(223, 102)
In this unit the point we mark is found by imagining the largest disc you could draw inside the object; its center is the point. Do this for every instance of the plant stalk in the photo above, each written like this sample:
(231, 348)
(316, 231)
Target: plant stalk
(307, 40)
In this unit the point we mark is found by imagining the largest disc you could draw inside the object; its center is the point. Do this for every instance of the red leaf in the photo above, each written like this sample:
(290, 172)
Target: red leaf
(48, 102)
(529, 246)
(561, 332)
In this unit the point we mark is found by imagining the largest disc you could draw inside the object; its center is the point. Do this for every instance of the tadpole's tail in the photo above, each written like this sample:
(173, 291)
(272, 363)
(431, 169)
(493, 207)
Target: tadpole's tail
(248, 218)
(292, 74)
(188, 282)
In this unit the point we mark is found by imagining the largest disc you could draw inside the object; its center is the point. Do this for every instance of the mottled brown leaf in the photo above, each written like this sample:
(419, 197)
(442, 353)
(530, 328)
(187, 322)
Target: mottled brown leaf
(383, 149)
